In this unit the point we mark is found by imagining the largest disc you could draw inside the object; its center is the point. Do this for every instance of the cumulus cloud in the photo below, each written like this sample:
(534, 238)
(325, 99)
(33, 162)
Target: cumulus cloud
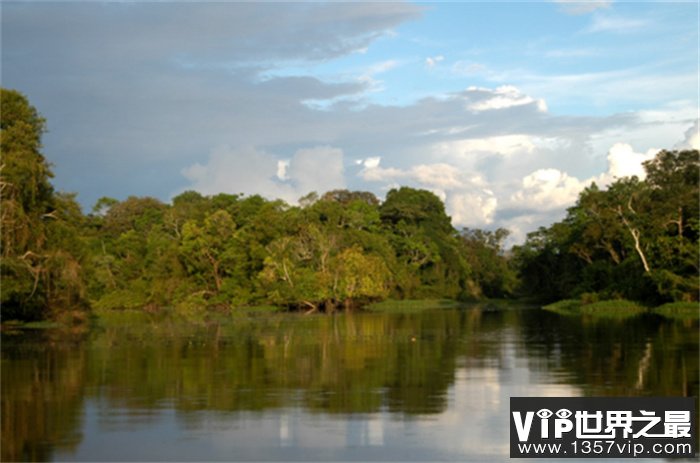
(544, 194)
(440, 175)
(467, 199)
(623, 161)
(504, 145)
(692, 138)
(472, 209)
(547, 189)
(254, 171)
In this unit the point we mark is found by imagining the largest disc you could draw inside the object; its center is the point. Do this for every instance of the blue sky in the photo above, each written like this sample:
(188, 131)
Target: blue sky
(506, 110)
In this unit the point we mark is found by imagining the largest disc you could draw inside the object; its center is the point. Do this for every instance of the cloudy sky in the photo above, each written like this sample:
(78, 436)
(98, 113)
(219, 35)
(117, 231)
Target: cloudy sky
(505, 110)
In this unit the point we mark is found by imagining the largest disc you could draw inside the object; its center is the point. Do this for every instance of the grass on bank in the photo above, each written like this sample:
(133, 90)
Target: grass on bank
(679, 310)
(616, 308)
(621, 308)
(412, 305)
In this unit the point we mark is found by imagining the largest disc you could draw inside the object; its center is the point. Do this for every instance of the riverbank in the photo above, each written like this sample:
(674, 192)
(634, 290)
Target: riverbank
(621, 308)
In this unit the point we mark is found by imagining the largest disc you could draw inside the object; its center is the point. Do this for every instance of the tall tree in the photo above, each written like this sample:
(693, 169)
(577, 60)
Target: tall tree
(39, 259)
(637, 239)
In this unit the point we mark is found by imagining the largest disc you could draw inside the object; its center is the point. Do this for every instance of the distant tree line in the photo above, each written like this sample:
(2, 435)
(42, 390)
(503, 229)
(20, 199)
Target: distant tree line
(341, 249)
(637, 239)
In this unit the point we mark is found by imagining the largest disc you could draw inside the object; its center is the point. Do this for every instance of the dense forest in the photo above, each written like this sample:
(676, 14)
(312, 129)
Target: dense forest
(637, 239)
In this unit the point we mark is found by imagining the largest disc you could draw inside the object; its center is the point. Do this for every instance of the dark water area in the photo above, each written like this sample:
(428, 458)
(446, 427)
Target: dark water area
(433, 385)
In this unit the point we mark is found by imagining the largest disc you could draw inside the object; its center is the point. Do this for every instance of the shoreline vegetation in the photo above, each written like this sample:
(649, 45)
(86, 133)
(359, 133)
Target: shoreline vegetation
(339, 250)
(621, 309)
(618, 309)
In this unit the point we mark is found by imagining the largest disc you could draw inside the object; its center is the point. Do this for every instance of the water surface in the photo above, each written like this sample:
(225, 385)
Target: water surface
(433, 385)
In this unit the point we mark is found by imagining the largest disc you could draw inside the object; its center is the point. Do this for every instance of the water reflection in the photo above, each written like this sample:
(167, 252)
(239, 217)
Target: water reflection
(359, 386)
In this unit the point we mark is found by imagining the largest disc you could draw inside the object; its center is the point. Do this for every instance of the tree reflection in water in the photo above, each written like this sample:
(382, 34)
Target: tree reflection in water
(343, 366)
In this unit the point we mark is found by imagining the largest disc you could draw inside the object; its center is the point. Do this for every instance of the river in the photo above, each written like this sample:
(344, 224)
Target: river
(431, 385)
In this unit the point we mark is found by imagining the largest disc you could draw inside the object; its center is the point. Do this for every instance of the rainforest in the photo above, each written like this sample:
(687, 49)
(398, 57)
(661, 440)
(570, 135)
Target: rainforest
(634, 240)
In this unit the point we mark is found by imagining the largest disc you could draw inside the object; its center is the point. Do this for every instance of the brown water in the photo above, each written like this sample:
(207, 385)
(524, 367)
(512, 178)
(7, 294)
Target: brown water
(433, 385)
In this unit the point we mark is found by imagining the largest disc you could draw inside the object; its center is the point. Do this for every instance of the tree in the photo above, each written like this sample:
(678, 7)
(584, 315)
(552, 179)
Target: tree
(41, 256)
(672, 179)
(431, 263)
(207, 249)
(636, 239)
(490, 269)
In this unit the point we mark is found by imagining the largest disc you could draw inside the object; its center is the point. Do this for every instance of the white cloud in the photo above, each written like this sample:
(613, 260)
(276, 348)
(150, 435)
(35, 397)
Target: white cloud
(692, 138)
(545, 193)
(381, 174)
(505, 96)
(547, 189)
(473, 209)
(253, 171)
(623, 161)
(282, 167)
(370, 162)
(440, 175)
(431, 61)
(505, 145)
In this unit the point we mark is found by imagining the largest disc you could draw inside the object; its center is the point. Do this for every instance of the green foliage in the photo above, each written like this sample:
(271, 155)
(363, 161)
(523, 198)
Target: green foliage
(564, 307)
(411, 305)
(617, 308)
(341, 249)
(429, 255)
(485, 255)
(42, 251)
(679, 310)
(637, 240)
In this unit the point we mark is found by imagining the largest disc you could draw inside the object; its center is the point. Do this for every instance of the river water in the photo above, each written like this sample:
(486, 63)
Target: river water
(433, 385)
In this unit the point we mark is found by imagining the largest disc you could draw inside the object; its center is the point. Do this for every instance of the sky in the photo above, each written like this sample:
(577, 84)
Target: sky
(505, 110)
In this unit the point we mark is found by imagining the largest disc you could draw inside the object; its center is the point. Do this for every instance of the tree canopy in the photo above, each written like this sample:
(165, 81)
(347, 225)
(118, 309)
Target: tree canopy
(340, 249)
(638, 239)
(40, 260)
